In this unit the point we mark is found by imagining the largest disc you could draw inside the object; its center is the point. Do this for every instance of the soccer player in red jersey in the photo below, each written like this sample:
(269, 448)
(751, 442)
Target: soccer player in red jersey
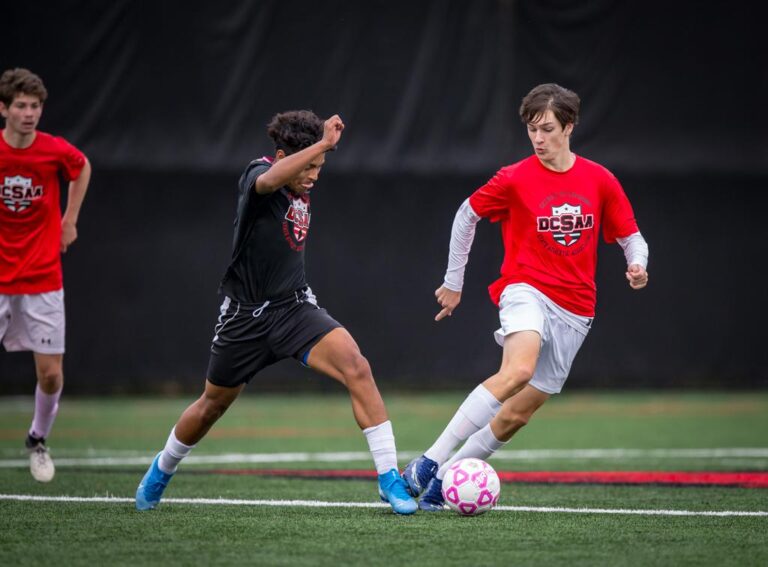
(33, 235)
(552, 207)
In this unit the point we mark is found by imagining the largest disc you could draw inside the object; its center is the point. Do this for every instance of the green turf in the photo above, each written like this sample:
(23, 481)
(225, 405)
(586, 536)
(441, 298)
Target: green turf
(114, 533)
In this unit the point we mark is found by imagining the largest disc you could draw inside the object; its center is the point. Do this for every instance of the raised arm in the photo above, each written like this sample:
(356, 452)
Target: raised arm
(288, 167)
(75, 195)
(462, 235)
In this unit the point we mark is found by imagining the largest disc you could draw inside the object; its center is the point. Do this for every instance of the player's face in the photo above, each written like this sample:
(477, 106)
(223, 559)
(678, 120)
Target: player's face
(550, 140)
(304, 181)
(23, 115)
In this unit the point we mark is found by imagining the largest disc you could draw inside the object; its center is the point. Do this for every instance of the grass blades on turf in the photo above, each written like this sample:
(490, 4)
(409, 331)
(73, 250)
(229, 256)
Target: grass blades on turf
(73, 533)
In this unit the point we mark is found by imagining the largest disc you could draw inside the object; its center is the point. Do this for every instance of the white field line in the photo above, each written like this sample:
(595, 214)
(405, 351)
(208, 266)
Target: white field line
(322, 504)
(360, 456)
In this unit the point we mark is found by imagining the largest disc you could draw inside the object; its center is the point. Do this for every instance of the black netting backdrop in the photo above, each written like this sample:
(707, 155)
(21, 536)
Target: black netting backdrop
(170, 100)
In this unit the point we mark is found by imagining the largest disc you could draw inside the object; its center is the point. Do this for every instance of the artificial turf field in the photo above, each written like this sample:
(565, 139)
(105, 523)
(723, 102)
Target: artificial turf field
(103, 446)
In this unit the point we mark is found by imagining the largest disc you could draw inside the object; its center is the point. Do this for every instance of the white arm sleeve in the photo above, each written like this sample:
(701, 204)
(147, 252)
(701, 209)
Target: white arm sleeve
(462, 235)
(635, 249)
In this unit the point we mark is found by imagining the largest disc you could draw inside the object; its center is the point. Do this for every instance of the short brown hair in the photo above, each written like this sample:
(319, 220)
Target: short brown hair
(15, 82)
(563, 103)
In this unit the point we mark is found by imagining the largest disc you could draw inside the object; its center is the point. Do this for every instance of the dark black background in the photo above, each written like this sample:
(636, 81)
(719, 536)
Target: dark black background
(169, 100)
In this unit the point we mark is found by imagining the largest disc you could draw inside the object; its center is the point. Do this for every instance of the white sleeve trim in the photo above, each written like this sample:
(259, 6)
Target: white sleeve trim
(635, 249)
(462, 236)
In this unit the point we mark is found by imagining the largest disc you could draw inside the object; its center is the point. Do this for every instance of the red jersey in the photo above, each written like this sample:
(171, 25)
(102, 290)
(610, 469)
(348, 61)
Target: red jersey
(30, 213)
(550, 222)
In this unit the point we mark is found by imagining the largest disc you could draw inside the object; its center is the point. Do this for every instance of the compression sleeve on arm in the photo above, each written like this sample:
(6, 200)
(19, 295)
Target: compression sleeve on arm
(635, 249)
(462, 235)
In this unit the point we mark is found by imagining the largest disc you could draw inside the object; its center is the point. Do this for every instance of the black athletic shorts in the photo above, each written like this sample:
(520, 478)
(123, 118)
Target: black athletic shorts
(250, 337)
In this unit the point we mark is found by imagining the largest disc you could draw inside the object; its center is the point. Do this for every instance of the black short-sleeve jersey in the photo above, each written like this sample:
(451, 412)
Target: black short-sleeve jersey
(270, 235)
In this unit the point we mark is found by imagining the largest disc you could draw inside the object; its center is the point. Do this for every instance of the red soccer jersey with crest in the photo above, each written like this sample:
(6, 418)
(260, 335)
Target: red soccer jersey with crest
(30, 213)
(550, 222)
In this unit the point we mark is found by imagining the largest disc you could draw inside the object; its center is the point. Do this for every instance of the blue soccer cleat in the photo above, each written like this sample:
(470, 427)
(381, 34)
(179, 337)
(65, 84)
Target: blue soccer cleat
(432, 500)
(151, 487)
(418, 473)
(393, 489)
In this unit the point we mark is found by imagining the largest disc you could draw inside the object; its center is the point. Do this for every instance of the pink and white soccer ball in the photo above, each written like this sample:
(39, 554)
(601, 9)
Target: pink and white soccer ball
(471, 487)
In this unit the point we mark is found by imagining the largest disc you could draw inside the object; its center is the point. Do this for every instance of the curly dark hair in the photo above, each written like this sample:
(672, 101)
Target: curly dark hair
(15, 82)
(295, 130)
(562, 102)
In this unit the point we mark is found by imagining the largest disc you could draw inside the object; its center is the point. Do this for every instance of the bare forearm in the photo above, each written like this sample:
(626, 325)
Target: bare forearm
(76, 194)
(289, 167)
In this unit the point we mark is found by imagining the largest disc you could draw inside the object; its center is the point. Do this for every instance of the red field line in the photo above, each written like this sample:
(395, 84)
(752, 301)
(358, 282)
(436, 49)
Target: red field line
(699, 478)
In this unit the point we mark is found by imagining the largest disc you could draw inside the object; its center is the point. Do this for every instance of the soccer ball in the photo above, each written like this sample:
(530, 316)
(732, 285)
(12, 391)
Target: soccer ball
(471, 487)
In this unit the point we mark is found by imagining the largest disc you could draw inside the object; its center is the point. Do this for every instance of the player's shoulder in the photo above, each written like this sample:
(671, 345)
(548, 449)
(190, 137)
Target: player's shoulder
(264, 163)
(263, 160)
(44, 138)
(253, 170)
(594, 168)
(515, 170)
(51, 142)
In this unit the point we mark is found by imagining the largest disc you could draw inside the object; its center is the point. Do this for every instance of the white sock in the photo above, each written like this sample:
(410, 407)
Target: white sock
(477, 411)
(480, 445)
(46, 409)
(381, 442)
(173, 453)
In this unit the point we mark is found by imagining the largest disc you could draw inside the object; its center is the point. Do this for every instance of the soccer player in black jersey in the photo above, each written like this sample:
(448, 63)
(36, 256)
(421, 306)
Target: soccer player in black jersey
(269, 313)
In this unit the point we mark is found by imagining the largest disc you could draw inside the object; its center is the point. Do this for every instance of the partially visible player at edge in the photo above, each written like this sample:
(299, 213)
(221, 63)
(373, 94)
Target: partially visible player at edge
(552, 207)
(269, 313)
(33, 235)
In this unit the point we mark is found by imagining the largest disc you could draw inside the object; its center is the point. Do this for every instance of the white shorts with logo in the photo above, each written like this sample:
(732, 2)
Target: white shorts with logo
(524, 308)
(33, 322)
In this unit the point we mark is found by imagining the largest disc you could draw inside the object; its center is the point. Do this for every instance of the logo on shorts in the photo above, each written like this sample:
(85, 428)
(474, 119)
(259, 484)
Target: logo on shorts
(18, 193)
(566, 224)
(296, 223)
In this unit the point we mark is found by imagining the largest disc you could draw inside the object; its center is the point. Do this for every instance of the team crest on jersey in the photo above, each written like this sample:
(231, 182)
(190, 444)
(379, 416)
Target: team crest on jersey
(18, 193)
(296, 224)
(566, 224)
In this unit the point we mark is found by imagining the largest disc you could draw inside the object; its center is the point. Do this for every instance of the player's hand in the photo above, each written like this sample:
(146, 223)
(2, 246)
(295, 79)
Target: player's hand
(68, 234)
(637, 276)
(448, 300)
(332, 129)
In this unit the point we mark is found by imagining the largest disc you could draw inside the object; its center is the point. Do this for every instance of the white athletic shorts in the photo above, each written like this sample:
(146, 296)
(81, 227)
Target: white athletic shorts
(33, 322)
(524, 308)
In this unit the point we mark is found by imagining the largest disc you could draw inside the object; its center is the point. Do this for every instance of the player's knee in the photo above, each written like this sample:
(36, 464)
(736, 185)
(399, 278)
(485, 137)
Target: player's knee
(356, 370)
(211, 409)
(50, 378)
(515, 376)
